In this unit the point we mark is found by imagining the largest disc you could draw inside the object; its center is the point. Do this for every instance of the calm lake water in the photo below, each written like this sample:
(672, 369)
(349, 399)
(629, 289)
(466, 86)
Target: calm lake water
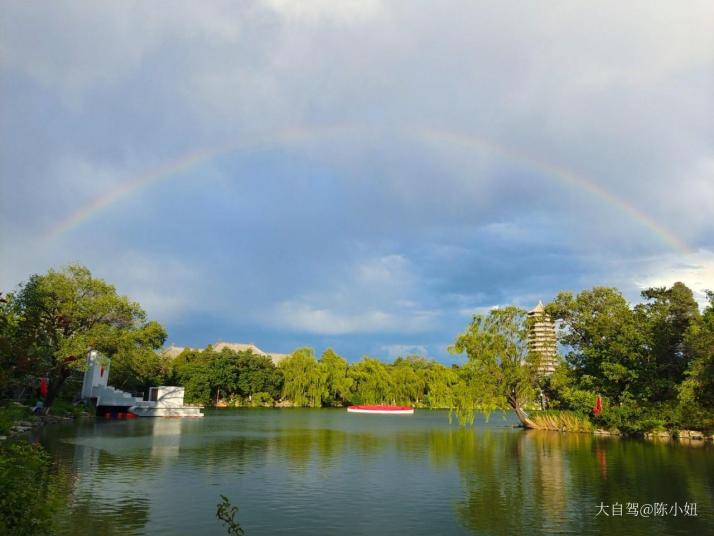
(314, 472)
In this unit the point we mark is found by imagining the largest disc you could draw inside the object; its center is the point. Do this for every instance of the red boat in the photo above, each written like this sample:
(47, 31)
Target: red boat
(384, 410)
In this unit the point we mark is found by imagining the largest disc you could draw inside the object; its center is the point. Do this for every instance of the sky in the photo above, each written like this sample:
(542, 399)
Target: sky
(362, 175)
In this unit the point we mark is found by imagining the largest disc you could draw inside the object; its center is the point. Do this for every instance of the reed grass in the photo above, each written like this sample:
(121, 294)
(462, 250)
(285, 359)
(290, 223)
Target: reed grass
(564, 421)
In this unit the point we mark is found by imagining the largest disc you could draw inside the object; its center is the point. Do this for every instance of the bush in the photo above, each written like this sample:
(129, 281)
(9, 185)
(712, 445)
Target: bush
(631, 418)
(12, 412)
(578, 400)
(29, 494)
(261, 400)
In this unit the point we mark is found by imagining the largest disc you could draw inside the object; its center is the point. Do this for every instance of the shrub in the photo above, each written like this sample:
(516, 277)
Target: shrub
(261, 400)
(29, 494)
(11, 412)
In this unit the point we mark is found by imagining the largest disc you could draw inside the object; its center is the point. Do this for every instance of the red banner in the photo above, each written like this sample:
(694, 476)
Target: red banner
(44, 386)
(597, 410)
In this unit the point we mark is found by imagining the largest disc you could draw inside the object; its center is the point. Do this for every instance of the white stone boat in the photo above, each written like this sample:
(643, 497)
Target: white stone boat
(163, 401)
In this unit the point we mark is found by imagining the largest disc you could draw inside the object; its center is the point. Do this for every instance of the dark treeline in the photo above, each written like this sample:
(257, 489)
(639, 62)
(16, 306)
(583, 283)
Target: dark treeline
(244, 378)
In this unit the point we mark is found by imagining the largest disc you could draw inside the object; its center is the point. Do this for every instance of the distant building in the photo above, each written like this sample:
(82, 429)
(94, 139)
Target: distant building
(542, 340)
(173, 351)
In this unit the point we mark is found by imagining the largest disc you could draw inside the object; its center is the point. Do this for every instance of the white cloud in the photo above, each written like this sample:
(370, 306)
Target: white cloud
(619, 93)
(304, 317)
(695, 271)
(401, 350)
(315, 11)
(386, 271)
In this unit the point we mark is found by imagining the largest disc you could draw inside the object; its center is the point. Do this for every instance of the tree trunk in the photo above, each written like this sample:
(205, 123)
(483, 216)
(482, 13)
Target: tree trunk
(515, 403)
(525, 421)
(56, 383)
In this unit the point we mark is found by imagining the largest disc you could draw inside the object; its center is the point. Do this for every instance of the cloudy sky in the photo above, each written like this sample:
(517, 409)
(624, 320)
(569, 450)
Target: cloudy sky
(359, 174)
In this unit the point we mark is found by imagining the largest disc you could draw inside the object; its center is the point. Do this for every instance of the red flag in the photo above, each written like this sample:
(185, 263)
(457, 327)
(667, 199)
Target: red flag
(597, 410)
(44, 385)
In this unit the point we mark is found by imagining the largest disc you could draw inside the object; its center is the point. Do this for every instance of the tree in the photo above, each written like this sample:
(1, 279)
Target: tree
(500, 371)
(408, 385)
(696, 393)
(666, 316)
(62, 315)
(372, 381)
(607, 343)
(338, 383)
(305, 381)
(258, 374)
(136, 365)
(439, 385)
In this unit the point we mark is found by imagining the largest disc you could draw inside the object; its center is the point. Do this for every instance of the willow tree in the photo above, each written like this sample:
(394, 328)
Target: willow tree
(305, 382)
(372, 381)
(62, 315)
(500, 373)
(338, 384)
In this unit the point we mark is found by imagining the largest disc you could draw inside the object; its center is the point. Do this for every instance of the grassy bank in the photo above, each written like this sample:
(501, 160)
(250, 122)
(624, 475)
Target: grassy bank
(564, 421)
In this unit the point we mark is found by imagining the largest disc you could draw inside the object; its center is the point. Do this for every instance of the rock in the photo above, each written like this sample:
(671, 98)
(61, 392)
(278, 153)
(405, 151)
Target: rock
(689, 434)
(658, 434)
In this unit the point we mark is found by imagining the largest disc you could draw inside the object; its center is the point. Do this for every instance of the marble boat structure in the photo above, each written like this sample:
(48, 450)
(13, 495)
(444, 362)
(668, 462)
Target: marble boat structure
(163, 401)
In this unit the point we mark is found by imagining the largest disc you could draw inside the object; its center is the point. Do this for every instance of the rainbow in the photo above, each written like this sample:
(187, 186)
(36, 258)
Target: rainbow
(165, 171)
(564, 175)
(127, 188)
(188, 161)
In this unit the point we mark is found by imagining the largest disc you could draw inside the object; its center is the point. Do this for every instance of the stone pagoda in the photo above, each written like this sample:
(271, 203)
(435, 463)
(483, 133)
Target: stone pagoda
(542, 340)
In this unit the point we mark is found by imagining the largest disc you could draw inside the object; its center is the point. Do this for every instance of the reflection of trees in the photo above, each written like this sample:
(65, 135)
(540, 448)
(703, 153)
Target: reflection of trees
(511, 482)
(541, 482)
(104, 517)
(498, 498)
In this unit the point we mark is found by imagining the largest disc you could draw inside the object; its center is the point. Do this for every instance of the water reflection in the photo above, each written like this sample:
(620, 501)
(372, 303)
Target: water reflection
(545, 482)
(320, 471)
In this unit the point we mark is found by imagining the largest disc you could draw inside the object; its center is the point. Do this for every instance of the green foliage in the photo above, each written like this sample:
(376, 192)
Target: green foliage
(11, 412)
(373, 383)
(53, 320)
(605, 340)
(259, 400)
(439, 382)
(338, 383)
(226, 512)
(666, 318)
(696, 393)
(500, 372)
(653, 364)
(305, 382)
(209, 376)
(29, 495)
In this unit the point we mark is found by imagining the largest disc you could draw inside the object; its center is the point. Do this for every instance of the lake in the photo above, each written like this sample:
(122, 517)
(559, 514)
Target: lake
(324, 471)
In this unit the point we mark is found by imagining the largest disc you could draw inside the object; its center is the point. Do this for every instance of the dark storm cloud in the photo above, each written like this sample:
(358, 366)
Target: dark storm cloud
(348, 216)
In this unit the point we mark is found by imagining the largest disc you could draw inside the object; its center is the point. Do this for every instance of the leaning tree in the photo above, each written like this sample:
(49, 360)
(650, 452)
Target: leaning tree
(500, 372)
